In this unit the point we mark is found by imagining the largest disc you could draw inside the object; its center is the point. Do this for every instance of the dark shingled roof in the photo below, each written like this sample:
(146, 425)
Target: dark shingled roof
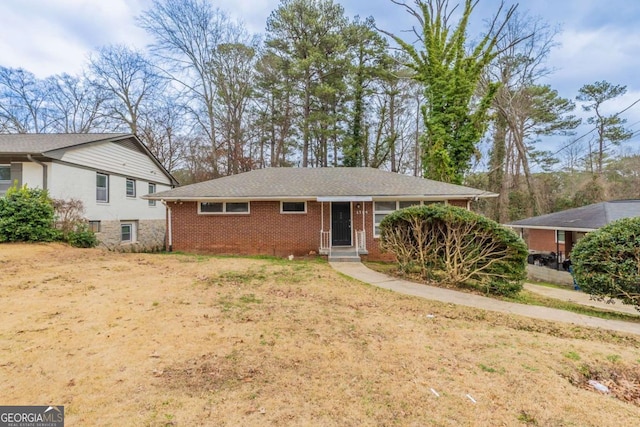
(39, 143)
(274, 183)
(589, 217)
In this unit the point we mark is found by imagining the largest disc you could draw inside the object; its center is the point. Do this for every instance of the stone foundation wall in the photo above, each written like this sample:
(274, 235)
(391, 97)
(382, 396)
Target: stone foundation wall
(150, 236)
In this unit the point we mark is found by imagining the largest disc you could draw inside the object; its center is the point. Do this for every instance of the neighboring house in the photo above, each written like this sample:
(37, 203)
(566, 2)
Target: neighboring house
(558, 232)
(107, 172)
(297, 211)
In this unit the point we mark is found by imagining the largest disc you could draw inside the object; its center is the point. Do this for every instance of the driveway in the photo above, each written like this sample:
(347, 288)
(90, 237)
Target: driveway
(364, 274)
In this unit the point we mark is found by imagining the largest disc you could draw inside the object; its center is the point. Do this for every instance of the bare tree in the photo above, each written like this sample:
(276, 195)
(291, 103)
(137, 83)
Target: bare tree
(74, 104)
(128, 81)
(22, 102)
(524, 110)
(186, 36)
(162, 128)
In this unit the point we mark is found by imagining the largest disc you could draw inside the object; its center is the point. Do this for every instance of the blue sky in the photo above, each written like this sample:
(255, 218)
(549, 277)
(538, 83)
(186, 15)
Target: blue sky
(600, 39)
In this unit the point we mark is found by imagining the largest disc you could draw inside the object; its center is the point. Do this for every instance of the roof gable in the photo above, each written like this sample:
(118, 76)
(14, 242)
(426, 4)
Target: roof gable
(279, 183)
(55, 146)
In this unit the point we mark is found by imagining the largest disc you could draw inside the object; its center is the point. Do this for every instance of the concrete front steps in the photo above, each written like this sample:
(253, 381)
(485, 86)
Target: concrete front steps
(344, 255)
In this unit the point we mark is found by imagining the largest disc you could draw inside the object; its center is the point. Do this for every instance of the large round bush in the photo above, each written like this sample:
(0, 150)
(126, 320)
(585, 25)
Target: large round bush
(457, 247)
(606, 262)
(27, 215)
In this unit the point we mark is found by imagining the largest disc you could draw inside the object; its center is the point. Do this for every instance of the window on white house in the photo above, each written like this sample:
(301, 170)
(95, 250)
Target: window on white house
(127, 232)
(5, 173)
(152, 189)
(102, 187)
(94, 226)
(560, 236)
(293, 207)
(223, 207)
(131, 187)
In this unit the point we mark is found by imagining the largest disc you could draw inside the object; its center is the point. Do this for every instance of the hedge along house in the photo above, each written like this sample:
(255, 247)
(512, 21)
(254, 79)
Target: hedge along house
(108, 173)
(558, 232)
(298, 211)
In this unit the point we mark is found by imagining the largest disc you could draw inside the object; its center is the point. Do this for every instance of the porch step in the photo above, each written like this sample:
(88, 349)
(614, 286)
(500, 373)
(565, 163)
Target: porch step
(338, 255)
(343, 258)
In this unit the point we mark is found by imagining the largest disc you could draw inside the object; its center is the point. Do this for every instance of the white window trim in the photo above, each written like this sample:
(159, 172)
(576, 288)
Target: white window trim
(282, 211)
(397, 202)
(224, 209)
(152, 203)
(558, 239)
(133, 231)
(106, 188)
(126, 188)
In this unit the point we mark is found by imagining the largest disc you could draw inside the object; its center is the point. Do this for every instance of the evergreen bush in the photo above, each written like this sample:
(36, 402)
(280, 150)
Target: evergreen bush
(457, 247)
(606, 262)
(27, 215)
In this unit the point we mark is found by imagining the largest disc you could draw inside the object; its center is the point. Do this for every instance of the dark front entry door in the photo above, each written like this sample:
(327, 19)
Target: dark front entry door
(341, 224)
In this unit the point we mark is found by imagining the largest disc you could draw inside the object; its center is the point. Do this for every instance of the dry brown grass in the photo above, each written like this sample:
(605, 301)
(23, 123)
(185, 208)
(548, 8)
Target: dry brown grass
(137, 339)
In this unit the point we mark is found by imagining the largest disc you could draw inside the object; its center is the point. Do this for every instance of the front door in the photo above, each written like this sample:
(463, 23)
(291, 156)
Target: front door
(341, 224)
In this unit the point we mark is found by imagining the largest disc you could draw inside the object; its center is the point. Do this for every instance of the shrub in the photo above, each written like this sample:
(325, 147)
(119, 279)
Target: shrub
(606, 262)
(71, 222)
(82, 237)
(27, 215)
(457, 247)
(69, 214)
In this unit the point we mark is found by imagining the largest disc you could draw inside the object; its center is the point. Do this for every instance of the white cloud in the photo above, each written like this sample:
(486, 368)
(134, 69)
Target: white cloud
(53, 37)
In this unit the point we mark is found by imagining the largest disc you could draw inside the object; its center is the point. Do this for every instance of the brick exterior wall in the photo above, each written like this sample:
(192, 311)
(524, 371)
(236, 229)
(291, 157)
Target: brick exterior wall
(265, 231)
(544, 240)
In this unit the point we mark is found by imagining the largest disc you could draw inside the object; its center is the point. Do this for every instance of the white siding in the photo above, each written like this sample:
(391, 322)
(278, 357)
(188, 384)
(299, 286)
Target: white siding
(71, 182)
(114, 158)
(32, 174)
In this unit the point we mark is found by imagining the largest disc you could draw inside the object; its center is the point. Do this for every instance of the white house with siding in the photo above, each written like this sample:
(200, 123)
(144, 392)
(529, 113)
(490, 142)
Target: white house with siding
(109, 173)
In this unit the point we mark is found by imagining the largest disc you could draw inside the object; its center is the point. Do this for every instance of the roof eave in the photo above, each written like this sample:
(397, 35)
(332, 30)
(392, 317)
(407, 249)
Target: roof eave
(354, 198)
(552, 227)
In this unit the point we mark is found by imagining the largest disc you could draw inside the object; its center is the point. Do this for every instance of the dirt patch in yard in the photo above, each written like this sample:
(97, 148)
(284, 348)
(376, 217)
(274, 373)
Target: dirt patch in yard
(141, 339)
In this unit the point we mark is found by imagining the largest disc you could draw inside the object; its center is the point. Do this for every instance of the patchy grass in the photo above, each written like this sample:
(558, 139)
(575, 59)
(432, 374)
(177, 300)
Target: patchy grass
(157, 340)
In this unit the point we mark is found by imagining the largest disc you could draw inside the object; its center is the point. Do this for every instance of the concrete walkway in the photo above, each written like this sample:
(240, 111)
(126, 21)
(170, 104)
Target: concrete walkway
(360, 272)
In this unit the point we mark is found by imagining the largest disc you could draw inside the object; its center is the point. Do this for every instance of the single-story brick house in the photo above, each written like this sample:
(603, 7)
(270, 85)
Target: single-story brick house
(558, 232)
(297, 211)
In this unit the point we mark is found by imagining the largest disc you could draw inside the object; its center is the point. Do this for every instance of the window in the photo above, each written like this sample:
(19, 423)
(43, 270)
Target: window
(380, 210)
(152, 189)
(94, 226)
(223, 207)
(407, 204)
(127, 232)
(102, 187)
(206, 207)
(384, 208)
(131, 187)
(293, 207)
(5, 173)
(560, 236)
